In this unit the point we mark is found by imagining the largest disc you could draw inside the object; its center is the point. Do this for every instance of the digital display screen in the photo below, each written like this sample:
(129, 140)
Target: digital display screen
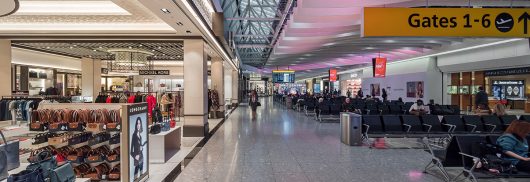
(283, 76)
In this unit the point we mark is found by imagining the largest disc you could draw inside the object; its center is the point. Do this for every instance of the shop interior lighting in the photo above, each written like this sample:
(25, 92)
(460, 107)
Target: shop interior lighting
(70, 8)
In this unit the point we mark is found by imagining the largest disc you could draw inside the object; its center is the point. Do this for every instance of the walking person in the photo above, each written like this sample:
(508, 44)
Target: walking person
(254, 103)
(384, 95)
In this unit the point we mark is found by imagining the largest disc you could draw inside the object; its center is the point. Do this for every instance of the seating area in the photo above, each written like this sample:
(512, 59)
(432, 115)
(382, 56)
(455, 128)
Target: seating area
(462, 152)
(330, 108)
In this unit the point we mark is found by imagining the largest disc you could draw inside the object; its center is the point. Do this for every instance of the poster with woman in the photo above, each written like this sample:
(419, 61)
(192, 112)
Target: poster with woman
(375, 89)
(411, 89)
(138, 142)
(419, 89)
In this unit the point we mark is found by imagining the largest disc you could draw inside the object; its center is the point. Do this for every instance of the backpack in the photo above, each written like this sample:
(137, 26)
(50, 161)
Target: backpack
(490, 158)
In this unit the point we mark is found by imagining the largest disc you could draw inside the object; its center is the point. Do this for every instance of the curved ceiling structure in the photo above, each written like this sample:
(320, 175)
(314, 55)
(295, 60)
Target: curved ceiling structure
(318, 35)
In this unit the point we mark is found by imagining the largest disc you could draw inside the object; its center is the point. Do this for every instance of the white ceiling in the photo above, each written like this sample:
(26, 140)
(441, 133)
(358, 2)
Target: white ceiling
(326, 34)
(91, 17)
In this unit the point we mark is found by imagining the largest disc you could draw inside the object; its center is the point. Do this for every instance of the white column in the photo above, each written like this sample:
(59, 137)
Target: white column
(228, 84)
(235, 87)
(5, 67)
(91, 77)
(195, 89)
(218, 82)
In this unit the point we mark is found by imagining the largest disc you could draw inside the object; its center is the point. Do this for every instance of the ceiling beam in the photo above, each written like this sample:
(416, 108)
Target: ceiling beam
(252, 35)
(252, 19)
(253, 46)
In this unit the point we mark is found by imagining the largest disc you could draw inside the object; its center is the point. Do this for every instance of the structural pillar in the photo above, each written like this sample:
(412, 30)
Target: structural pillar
(195, 89)
(90, 77)
(5, 67)
(235, 88)
(218, 84)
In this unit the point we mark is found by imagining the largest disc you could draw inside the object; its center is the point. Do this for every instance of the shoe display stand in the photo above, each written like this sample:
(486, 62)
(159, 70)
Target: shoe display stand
(164, 145)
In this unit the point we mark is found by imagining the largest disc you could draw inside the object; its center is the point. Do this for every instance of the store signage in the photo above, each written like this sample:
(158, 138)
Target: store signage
(104, 71)
(446, 22)
(379, 67)
(333, 75)
(154, 72)
(8, 7)
(508, 82)
(512, 71)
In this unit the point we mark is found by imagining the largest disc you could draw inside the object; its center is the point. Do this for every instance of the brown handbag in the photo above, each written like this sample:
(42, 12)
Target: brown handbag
(58, 139)
(57, 120)
(114, 155)
(76, 121)
(78, 155)
(114, 120)
(96, 173)
(39, 120)
(98, 154)
(115, 173)
(81, 170)
(100, 119)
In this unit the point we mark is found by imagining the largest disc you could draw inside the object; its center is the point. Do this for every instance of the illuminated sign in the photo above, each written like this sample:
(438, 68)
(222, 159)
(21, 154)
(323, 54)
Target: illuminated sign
(446, 22)
(332, 75)
(154, 72)
(379, 67)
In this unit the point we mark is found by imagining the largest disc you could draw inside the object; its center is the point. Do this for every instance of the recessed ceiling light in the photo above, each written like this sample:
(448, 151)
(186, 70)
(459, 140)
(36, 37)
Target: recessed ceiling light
(180, 23)
(187, 31)
(389, 41)
(140, 45)
(75, 45)
(292, 64)
(94, 50)
(171, 58)
(71, 47)
(48, 47)
(153, 50)
(155, 56)
(308, 55)
(369, 48)
(178, 56)
(130, 47)
(159, 47)
(100, 47)
(164, 10)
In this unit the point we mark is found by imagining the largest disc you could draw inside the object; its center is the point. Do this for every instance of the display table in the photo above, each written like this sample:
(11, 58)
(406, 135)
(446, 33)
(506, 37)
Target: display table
(164, 145)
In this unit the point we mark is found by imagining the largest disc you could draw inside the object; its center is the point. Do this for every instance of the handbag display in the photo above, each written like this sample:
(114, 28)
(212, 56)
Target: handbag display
(28, 176)
(9, 150)
(58, 139)
(41, 138)
(39, 120)
(79, 138)
(63, 173)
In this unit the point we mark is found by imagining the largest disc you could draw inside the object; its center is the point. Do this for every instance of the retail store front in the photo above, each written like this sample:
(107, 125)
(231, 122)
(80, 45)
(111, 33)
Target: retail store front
(350, 83)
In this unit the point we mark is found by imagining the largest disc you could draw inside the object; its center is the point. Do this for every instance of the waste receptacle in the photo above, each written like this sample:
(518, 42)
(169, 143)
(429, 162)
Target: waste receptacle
(351, 130)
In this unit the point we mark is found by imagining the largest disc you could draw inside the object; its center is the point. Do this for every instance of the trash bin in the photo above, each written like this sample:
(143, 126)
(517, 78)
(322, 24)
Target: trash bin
(351, 129)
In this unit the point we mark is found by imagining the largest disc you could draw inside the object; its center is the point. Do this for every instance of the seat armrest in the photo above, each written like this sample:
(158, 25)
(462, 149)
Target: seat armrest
(367, 128)
(408, 127)
(451, 127)
(493, 127)
(474, 127)
(430, 126)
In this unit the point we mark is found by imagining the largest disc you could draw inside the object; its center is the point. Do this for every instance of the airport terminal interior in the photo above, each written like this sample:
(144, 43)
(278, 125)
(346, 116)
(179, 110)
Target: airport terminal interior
(264, 90)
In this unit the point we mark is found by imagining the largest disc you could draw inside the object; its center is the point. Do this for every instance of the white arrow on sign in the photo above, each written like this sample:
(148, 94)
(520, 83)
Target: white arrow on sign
(8, 7)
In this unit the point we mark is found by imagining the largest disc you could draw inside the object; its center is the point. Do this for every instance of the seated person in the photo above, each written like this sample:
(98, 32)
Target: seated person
(499, 110)
(515, 146)
(419, 109)
(346, 105)
(482, 109)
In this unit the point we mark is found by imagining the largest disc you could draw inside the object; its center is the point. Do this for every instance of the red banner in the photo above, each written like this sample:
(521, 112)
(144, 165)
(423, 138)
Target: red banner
(379, 65)
(332, 75)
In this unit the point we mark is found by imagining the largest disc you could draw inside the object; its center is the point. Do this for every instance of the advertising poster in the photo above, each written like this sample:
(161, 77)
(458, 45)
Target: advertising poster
(138, 142)
(379, 67)
(375, 89)
(415, 89)
(504, 89)
(332, 75)
(411, 89)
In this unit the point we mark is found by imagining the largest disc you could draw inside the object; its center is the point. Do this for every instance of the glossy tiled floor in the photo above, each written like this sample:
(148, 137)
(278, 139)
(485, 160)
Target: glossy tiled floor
(284, 145)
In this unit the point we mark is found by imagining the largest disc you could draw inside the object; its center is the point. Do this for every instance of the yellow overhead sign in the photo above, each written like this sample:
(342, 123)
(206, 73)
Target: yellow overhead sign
(446, 22)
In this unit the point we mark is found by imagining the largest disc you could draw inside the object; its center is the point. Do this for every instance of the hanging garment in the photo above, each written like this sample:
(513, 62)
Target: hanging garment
(131, 99)
(151, 103)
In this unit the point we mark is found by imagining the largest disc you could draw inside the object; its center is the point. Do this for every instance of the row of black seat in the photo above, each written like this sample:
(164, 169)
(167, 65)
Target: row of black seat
(462, 151)
(431, 124)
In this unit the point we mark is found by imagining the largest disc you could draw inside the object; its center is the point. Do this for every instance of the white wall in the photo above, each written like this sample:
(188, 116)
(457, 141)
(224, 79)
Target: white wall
(512, 54)
(398, 74)
(228, 83)
(28, 57)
